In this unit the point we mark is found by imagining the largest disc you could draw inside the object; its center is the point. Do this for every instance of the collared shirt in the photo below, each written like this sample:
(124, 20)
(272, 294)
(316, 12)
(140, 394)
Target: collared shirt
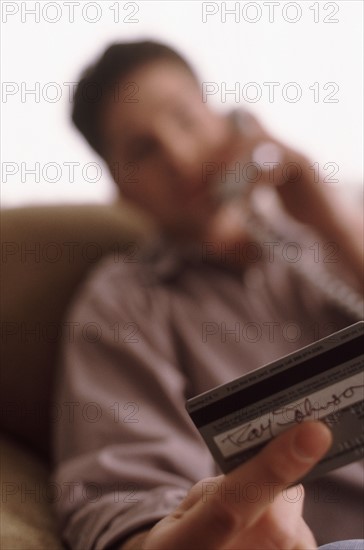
(150, 331)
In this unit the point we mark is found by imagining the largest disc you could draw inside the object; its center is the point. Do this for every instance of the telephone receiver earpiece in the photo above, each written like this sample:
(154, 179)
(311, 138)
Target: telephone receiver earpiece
(253, 166)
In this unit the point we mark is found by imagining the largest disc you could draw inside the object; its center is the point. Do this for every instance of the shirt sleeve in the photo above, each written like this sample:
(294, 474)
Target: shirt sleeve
(125, 450)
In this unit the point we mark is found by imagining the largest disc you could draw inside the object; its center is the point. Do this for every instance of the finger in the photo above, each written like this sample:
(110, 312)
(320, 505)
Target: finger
(305, 539)
(277, 527)
(286, 459)
(247, 491)
(195, 494)
(280, 525)
(224, 507)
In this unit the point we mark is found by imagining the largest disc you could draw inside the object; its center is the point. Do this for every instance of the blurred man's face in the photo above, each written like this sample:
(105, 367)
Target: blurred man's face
(156, 147)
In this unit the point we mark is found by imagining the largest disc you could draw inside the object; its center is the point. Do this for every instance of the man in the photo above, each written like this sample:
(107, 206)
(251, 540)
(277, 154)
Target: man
(139, 471)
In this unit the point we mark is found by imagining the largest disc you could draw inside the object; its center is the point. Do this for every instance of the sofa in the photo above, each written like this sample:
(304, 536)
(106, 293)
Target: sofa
(46, 252)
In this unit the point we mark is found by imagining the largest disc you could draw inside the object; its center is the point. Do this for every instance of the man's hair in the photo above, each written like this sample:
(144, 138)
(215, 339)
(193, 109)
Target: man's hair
(99, 79)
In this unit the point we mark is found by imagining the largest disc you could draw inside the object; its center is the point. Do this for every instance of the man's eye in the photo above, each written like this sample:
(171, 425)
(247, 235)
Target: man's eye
(142, 148)
(189, 122)
(185, 119)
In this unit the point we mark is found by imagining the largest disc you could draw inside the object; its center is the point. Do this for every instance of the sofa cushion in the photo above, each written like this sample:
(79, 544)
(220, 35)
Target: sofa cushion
(26, 519)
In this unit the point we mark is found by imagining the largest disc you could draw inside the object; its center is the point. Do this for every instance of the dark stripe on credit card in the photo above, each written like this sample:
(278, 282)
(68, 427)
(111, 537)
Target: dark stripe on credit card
(279, 382)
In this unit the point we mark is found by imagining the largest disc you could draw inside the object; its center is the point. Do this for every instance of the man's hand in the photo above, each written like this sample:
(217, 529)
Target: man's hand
(252, 506)
(308, 201)
(277, 166)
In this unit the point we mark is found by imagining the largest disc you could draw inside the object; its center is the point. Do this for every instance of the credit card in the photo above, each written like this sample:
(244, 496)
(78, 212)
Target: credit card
(322, 381)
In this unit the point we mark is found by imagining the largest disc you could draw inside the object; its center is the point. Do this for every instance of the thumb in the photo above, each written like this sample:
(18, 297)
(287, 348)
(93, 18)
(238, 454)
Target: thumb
(214, 517)
(284, 461)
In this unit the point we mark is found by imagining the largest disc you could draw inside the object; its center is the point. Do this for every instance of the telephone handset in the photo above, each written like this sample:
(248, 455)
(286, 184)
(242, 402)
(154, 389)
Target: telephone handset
(333, 287)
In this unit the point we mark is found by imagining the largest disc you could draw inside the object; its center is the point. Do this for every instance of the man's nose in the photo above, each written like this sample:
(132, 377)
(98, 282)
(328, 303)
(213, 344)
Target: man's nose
(183, 152)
